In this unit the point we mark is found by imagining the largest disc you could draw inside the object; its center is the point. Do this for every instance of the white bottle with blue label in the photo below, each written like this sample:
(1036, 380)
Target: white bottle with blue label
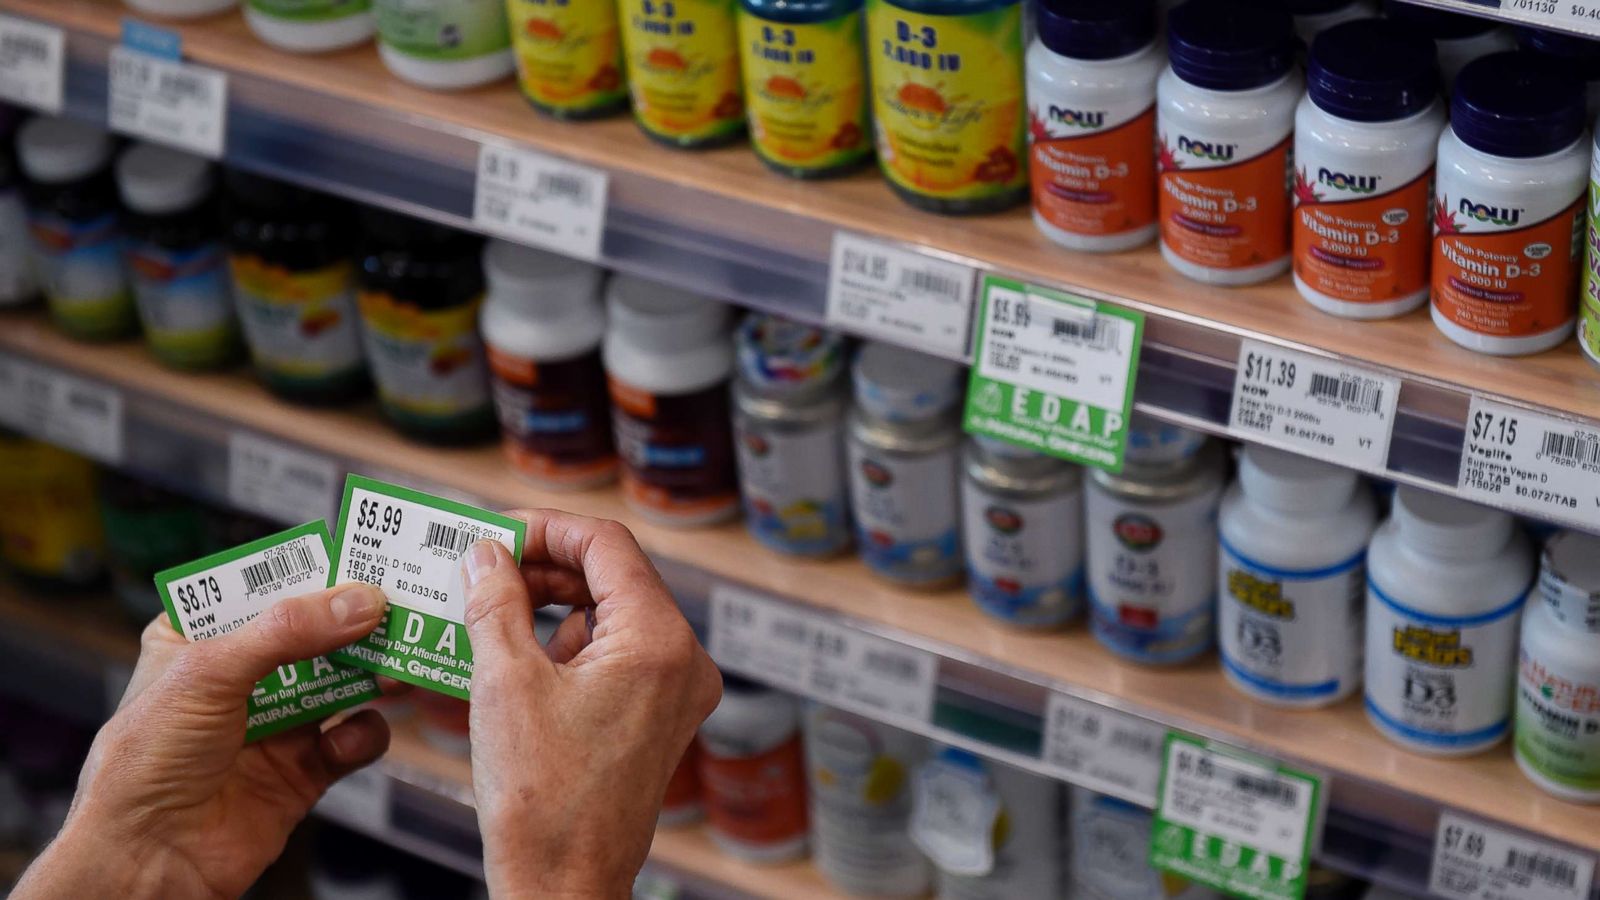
(1022, 524)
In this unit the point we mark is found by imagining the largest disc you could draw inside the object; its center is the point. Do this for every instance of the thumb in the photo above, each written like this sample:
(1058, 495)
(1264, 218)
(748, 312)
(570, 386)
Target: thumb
(499, 615)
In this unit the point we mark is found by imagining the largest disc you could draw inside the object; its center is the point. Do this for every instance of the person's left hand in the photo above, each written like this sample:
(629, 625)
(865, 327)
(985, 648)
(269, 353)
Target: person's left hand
(172, 802)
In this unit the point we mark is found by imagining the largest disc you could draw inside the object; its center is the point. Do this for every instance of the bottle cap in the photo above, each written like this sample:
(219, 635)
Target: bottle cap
(1445, 526)
(54, 150)
(1579, 56)
(1437, 23)
(1569, 579)
(1517, 104)
(538, 282)
(779, 356)
(1154, 442)
(1372, 70)
(1227, 45)
(156, 180)
(899, 385)
(1096, 29)
(660, 317)
(1294, 484)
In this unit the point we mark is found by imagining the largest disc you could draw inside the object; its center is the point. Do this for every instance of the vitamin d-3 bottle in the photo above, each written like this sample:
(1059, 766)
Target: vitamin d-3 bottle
(1312, 17)
(1225, 107)
(1509, 214)
(1459, 38)
(1092, 122)
(1579, 56)
(569, 56)
(683, 69)
(1364, 142)
(1558, 681)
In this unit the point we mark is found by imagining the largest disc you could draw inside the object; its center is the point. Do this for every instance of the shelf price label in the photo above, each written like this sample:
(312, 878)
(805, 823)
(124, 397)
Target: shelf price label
(1103, 749)
(804, 653)
(531, 198)
(1232, 822)
(33, 63)
(169, 102)
(1532, 463)
(62, 409)
(900, 295)
(1313, 405)
(280, 482)
(1474, 861)
(1054, 372)
(1568, 15)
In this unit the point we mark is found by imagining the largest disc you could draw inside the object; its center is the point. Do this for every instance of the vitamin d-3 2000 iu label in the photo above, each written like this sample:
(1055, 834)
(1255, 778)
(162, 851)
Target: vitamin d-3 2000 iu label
(1223, 205)
(215, 595)
(409, 544)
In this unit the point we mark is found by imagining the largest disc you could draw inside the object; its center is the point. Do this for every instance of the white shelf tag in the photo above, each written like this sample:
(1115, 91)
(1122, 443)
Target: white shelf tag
(61, 409)
(539, 200)
(33, 63)
(900, 295)
(804, 653)
(1567, 15)
(1532, 463)
(1099, 748)
(174, 103)
(360, 799)
(281, 482)
(1474, 861)
(1313, 405)
(953, 812)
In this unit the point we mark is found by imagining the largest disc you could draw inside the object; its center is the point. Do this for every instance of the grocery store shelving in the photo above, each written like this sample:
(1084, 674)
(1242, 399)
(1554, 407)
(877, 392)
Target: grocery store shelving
(1555, 15)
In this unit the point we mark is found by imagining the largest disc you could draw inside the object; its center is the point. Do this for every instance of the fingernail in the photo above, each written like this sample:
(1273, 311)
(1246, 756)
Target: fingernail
(480, 561)
(357, 603)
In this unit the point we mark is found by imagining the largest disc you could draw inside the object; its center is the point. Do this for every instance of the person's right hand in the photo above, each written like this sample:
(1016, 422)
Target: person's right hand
(573, 743)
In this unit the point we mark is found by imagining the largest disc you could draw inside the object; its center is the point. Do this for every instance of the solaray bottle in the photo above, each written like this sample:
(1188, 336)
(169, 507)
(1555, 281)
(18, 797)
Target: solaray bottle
(1224, 110)
(683, 69)
(1092, 120)
(569, 56)
(1558, 677)
(1364, 144)
(1508, 218)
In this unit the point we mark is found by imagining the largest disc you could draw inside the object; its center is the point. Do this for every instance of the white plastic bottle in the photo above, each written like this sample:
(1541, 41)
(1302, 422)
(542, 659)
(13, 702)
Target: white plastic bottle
(1312, 17)
(1292, 578)
(1364, 143)
(311, 26)
(1446, 581)
(1092, 73)
(1460, 38)
(1022, 515)
(1028, 839)
(1111, 850)
(1224, 110)
(1509, 224)
(445, 45)
(752, 774)
(17, 282)
(1557, 736)
(180, 9)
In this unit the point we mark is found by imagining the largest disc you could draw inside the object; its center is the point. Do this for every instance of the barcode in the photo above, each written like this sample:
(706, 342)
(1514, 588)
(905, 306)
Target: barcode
(1267, 789)
(1095, 333)
(86, 402)
(1540, 865)
(935, 283)
(1351, 390)
(446, 537)
(182, 86)
(1577, 448)
(900, 668)
(564, 187)
(294, 560)
(1141, 744)
(23, 48)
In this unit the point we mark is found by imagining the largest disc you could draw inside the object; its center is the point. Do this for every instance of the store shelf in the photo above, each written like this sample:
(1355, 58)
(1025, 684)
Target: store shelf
(718, 222)
(1538, 13)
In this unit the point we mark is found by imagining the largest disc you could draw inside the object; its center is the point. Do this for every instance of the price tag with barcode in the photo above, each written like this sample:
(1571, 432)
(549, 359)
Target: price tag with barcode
(900, 295)
(1582, 16)
(539, 200)
(62, 409)
(1103, 749)
(1054, 372)
(804, 653)
(174, 103)
(1474, 861)
(281, 482)
(33, 64)
(222, 592)
(1314, 405)
(409, 544)
(1532, 463)
(1233, 822)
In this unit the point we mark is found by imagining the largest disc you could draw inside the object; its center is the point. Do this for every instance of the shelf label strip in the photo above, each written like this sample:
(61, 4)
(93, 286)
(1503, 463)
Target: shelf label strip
(531, 198)
(278, 481)
(1102, 749)
(62, 409)
(1474, 861)
(168, 102)
(1309, 404)
(1532, 463)
(900, 295)
(33, 64)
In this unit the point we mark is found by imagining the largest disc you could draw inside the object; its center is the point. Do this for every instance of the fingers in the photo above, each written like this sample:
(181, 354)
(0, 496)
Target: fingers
(159, 645)
(552, 585)
(354, 743)
(571, 636)
(604, 551)
(499, 615)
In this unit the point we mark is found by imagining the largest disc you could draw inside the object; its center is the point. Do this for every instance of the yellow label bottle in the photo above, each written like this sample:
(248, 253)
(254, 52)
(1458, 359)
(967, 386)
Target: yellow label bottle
(569, 56)
(683, 69)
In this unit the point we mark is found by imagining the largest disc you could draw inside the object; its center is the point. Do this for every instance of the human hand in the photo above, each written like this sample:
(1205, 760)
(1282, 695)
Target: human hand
(171, 802)
(573, 743)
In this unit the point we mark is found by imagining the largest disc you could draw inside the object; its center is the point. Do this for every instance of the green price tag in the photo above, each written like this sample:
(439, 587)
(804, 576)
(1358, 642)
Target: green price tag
(1233, 822)
(1054, 372)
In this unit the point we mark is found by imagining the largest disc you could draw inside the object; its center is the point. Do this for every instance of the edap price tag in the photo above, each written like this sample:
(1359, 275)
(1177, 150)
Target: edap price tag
(1111, 752)
(1473, 861)
(222, 592)
(900, 295)
(409, 544)
(32, 64)
(62, 409)
(954, 806)
(534, 199)
(168, 102)
(1532, 463)
(278, 481)
(1316, 406)
(1054, 373)
(1233, 823)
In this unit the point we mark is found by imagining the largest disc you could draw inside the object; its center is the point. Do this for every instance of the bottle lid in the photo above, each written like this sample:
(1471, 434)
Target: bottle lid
(58, 150)
(156, 180)
(656, 316)
(1154, 442)
(1437, 23)
(1579, 56)
(1228, 45)
(899, 385)
(1445, 526)
(1569, 579)
(1372, 70)
(1294, 484)
(1096, 29)
(781, 357)
(1517, 104)
(538, 282)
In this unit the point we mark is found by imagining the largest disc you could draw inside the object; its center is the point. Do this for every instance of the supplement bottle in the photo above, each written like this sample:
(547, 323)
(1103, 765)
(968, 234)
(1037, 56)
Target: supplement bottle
(176, 258)
(76, 227)
(51, 537)
(1151, 541)
(180, 9)
(419, 291)
(948, 105)
(1459, 38)
(805, 82)
(146, 530)
(789, 405)
(310, 26)
(1224, 111)
(1509, 213)
(682, 804)
(1589, 293)
(1028, 838)
(445, 44)
(1578, 56)
(1364, 142)
(1022, 515)
(683, 69)
(860, 778)
(1115, 835)
(294, 286)
(1557, 736)
(17, 283)
(1092, 122)
(905, 437)
(1293, 553)
(1312, 17)
(668, 360)
(569, 57)
(753, 774)
(1445, 584)
(542, 325)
